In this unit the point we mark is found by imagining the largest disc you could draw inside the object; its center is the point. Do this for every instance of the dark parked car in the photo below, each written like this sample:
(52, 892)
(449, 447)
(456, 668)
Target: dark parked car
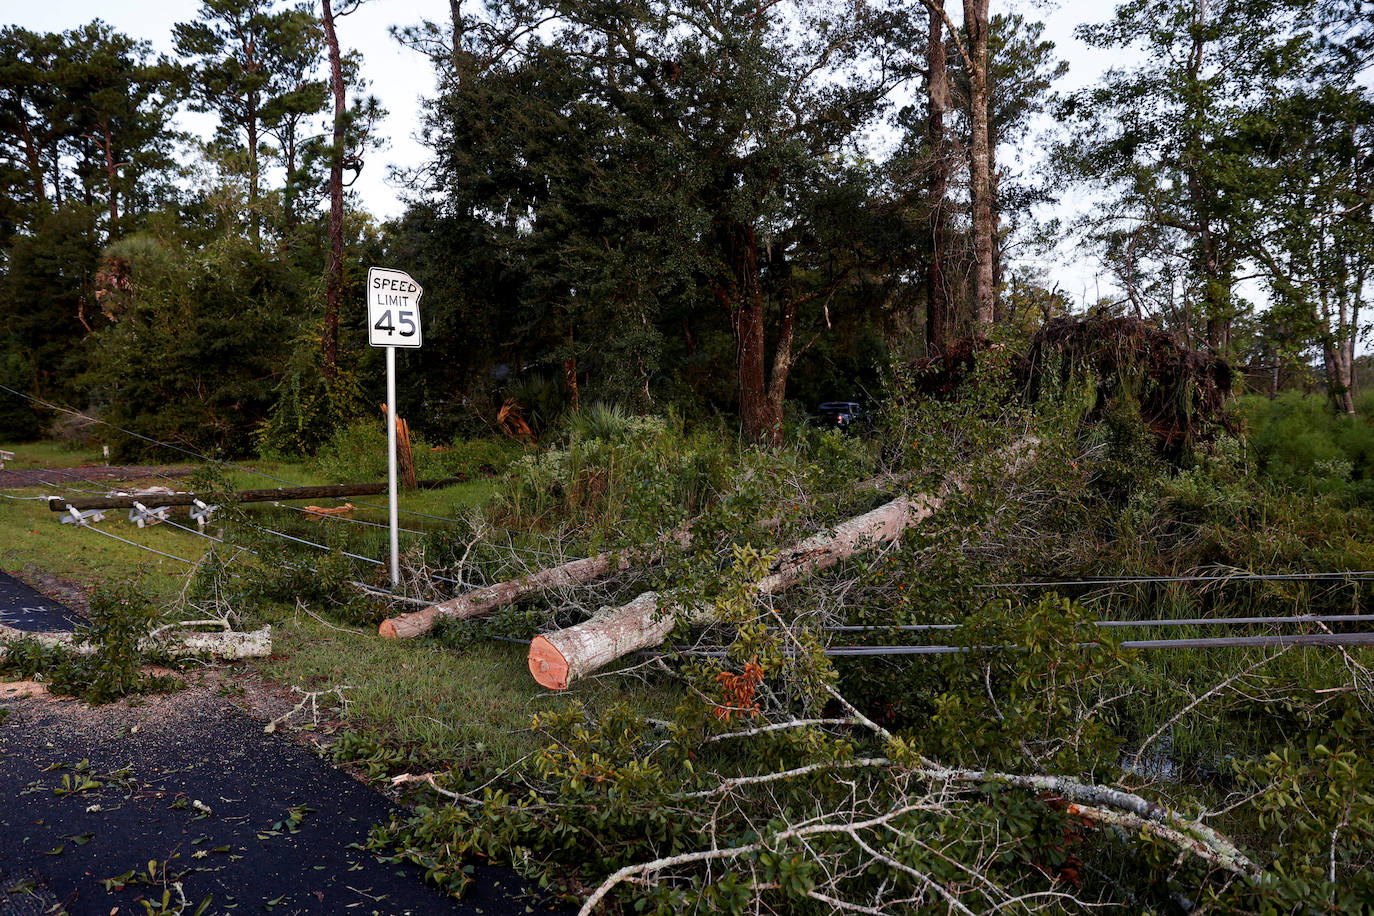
(844, 415)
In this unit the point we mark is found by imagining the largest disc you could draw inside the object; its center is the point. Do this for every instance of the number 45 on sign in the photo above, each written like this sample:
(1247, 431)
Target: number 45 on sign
(393, 308)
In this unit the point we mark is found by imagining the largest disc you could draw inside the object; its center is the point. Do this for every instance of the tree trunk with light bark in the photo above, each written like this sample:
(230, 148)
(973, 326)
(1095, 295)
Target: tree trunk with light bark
(980, 164)
(937, 189)
(557, 659)
(329, 342)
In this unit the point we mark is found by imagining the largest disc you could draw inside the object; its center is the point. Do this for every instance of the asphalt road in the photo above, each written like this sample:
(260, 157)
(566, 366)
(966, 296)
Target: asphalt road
(25, 609)
(103, 808)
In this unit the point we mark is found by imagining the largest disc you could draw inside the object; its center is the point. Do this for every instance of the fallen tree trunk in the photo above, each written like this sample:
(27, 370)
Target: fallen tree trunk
(227, 644)
(557, 659)
(483, 601)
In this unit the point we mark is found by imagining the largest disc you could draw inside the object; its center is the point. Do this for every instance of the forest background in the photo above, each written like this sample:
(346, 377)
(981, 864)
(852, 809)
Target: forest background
(732, 210)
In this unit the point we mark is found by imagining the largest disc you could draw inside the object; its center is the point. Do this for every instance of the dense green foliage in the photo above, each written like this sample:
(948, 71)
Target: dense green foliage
(646, 205)
(1298, 442)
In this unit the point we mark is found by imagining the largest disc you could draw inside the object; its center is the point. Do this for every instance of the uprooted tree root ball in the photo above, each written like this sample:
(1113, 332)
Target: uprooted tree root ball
(1181, 394)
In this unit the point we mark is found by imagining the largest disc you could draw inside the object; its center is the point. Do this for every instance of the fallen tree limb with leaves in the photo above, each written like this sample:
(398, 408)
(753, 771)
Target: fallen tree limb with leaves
(559, 658)
(483, 601)
(1102, 805)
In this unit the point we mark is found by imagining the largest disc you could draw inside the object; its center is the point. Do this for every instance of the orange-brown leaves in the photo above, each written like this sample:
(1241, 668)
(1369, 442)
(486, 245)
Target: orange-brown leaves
(739, 691)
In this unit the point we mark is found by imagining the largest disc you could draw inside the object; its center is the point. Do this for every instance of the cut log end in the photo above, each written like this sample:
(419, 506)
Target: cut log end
(406, 626)
(548, 665)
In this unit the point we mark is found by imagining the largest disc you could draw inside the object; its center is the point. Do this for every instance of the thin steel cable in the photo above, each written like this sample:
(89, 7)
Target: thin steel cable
(1219, 642)
(69, 473)
(1163, 622)
(199, 533)
(247, 470)
(325, 547)
(342, 518)
(140, 546)
(46, 483)
(149, 439)
(1351, 575)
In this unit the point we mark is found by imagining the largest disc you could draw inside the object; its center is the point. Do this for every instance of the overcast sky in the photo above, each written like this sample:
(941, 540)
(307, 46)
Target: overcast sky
(400, 77)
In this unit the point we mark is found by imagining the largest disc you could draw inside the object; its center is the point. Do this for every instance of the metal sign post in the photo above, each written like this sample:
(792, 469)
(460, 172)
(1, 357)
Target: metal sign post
(393, 320)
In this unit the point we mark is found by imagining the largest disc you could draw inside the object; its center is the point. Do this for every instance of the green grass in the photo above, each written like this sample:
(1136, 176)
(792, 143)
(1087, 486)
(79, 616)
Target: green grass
(449, 706)
(34, 539)
(32, 536)
(453, 707)
(50, 455)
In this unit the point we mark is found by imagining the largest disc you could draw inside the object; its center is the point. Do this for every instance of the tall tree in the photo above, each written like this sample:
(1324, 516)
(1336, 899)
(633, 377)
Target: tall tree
(334, 271)
(937, 187)
(289, 117)
(350, 133)
(1316, 249)
(984, 226)
(28, 99)
(1161, 140)
(246, 56)
(1022, 68)
(118, 101)
(634, 152)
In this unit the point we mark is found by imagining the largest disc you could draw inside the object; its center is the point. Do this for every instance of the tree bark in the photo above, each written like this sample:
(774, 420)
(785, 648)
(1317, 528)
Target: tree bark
(1216, 283)
(558, 659)
(254, 179)
(937, 188)
(742, 297)
(111, 175)
(455, 13)
(980, 164)
(329, 341)
(483, 601)
(227, 644)
(1339, 372)
(33, 156)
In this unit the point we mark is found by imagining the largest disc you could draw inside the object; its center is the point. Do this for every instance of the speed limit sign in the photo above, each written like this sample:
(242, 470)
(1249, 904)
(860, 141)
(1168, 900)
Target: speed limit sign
(393, 308)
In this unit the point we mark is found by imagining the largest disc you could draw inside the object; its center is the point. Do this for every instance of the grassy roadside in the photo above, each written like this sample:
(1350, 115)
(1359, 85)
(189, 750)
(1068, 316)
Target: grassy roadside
(33, 539)
(50, 455)
(447, 706)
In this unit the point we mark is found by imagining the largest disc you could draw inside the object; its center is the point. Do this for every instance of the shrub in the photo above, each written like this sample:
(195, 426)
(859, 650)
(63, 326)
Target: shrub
(1300, 443)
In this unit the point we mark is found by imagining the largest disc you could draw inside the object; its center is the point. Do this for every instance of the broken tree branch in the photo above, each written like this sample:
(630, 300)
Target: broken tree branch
(559, 658)
(227, 644)
(1096, 803)
(483, 601)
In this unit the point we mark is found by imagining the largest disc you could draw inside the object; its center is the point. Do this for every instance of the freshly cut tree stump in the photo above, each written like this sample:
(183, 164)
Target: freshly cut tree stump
(558, 659)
